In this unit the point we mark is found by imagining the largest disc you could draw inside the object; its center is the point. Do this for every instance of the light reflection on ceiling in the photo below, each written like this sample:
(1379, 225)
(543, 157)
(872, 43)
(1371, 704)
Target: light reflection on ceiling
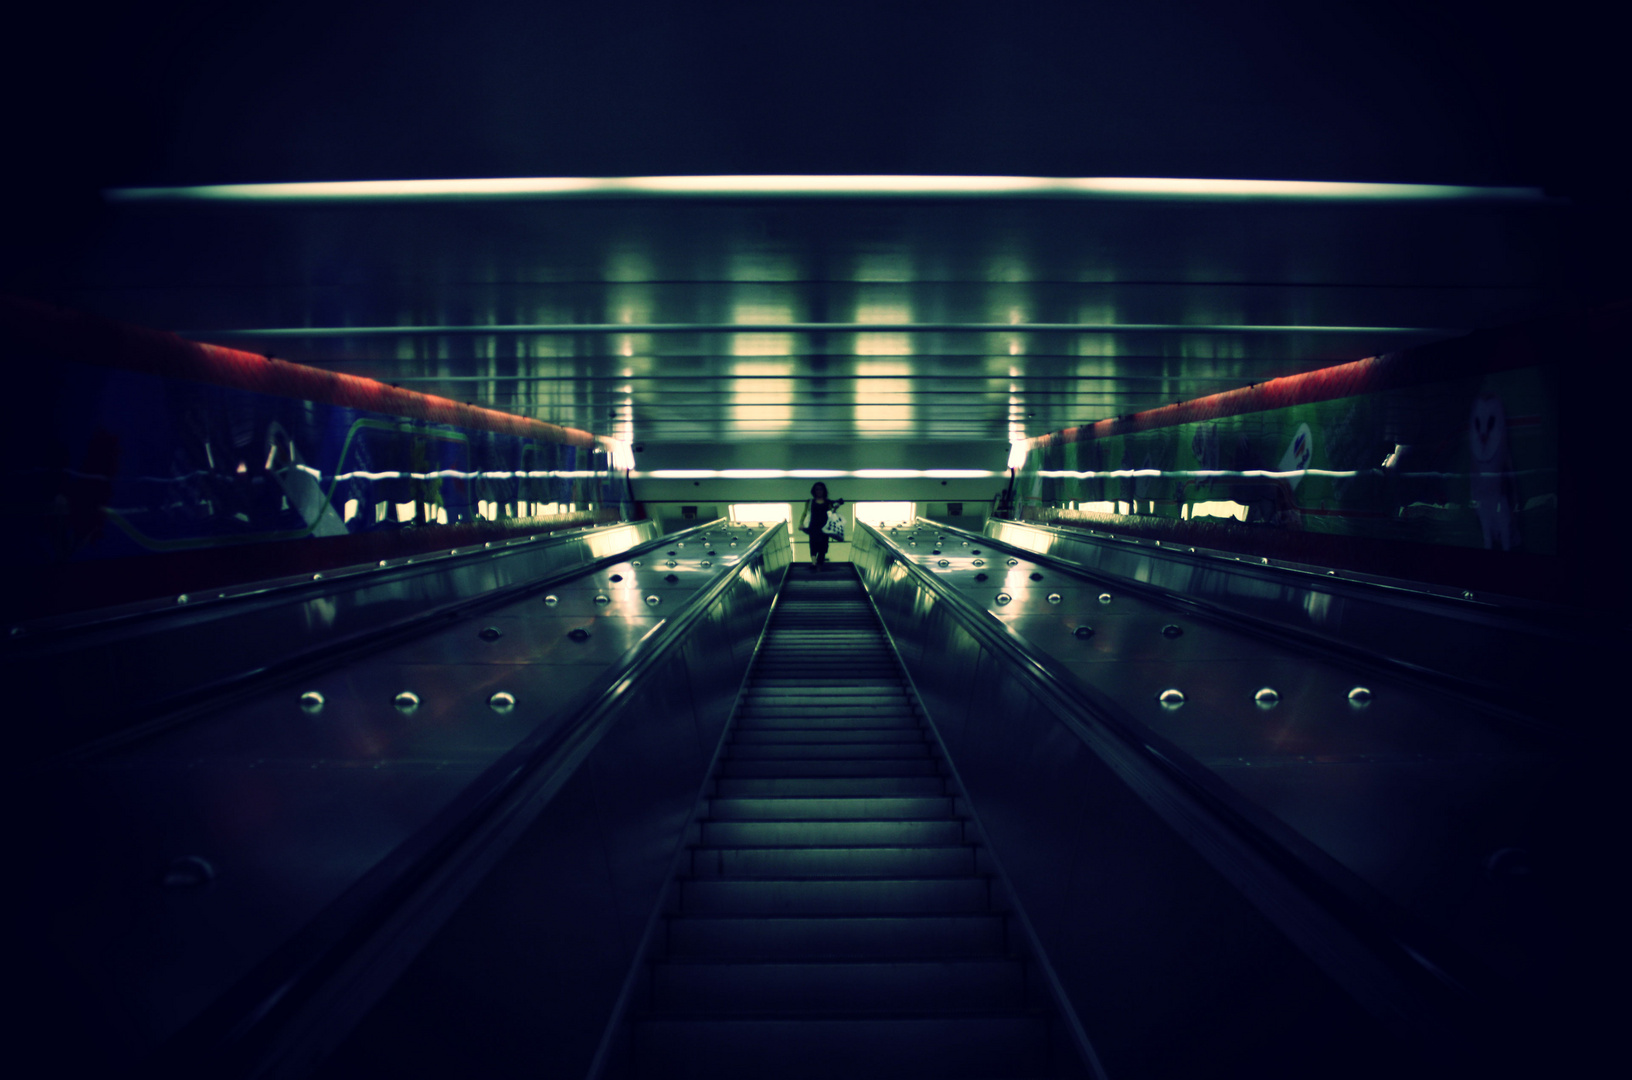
(701, 311)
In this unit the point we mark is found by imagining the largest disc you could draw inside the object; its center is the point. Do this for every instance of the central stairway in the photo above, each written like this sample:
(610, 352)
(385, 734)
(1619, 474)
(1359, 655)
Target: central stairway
(838, 917)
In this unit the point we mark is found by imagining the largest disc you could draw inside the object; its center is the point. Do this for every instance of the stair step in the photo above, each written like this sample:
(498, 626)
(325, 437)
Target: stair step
(863, 807)
(874, 937)
(917, 861)
(920, 766)
(839, 896)
(819, 720)
(778, 736)
(863, 1048)
(814, 692)
(851, 751)
(851, 711)
(832, 833)
(829, 987)
(830, 786)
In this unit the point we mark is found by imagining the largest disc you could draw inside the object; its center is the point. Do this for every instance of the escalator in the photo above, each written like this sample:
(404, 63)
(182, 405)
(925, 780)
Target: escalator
(839, 914)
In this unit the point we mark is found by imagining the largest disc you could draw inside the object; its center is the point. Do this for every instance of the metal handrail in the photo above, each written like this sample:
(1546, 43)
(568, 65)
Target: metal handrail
(1432, 982)
(1075, 1030)
(401, 901)
(1495, 699)
(157, 716)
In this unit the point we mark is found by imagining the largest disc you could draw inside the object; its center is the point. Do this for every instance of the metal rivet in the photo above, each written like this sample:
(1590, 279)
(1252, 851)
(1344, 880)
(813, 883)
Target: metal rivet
(707, 564)
(601, 598)
(1467, 595)
(407, 701)
(1171, 699)
(1264, 561)
(1004, 598)
(1084, 632)
(1104, 598)
(912, 543)
(1014, 562)
(1267, 698)
(1360, 696)
(380, 563)
(943, 562)
(634, 562)
(578, 633)
(671, 564)
(183, 598)
(681, 543)
(653, 600)
(491, 633)
(733, 543)
(1171, 631)
(488, 544)
(965, 543)
(311, 701)
(502, 702)
(552, 600)
(187, 872)
(1055, 598)
(317, 577)
(980, 562)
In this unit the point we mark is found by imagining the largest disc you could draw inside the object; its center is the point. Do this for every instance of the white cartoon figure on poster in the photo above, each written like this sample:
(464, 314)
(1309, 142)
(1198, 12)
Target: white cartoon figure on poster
(1490, 481)
(1298, 454)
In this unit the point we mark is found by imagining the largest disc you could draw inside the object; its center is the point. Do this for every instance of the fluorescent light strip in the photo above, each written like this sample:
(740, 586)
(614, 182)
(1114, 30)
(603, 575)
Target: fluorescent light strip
(552, 187)
(803, 327)
(806, 474)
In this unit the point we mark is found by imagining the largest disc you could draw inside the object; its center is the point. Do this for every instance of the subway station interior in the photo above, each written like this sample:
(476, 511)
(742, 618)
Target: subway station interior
(426, 659)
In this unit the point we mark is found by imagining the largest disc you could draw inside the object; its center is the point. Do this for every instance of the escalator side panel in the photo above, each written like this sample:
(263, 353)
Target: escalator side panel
(524, 974)
(1172, 971)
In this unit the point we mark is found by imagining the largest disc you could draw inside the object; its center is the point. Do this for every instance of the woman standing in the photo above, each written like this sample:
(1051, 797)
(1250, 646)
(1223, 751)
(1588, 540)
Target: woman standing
(815, 520)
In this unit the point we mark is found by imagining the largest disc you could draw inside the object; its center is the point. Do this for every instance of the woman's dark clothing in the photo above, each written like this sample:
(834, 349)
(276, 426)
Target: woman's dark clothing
(818, 520)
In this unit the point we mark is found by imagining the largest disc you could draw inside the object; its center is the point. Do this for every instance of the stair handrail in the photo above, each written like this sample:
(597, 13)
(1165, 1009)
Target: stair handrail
(279, 1020)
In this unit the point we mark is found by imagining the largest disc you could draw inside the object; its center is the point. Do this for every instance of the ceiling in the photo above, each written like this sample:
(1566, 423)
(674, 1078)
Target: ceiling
(732, 316)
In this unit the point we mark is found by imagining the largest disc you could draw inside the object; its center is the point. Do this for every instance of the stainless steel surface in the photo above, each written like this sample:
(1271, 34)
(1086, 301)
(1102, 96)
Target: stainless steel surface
(1406, 798)
(296, 803)
(150, 657)
(1512, 652)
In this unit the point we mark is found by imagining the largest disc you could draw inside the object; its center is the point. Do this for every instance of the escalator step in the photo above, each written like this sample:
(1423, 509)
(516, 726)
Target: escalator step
(833, 833)
(861, 1048)
(834, 896)
(878, 937)
(828, 862)
(828, 987)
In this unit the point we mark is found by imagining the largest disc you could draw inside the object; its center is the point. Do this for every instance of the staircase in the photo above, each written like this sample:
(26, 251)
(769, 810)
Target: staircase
(837, 917)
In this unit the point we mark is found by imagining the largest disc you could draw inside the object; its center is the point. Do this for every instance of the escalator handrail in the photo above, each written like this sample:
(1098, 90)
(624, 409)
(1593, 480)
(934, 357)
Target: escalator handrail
(155, 717)
(267, 1014)
(1430, 972)
(1493, 699)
